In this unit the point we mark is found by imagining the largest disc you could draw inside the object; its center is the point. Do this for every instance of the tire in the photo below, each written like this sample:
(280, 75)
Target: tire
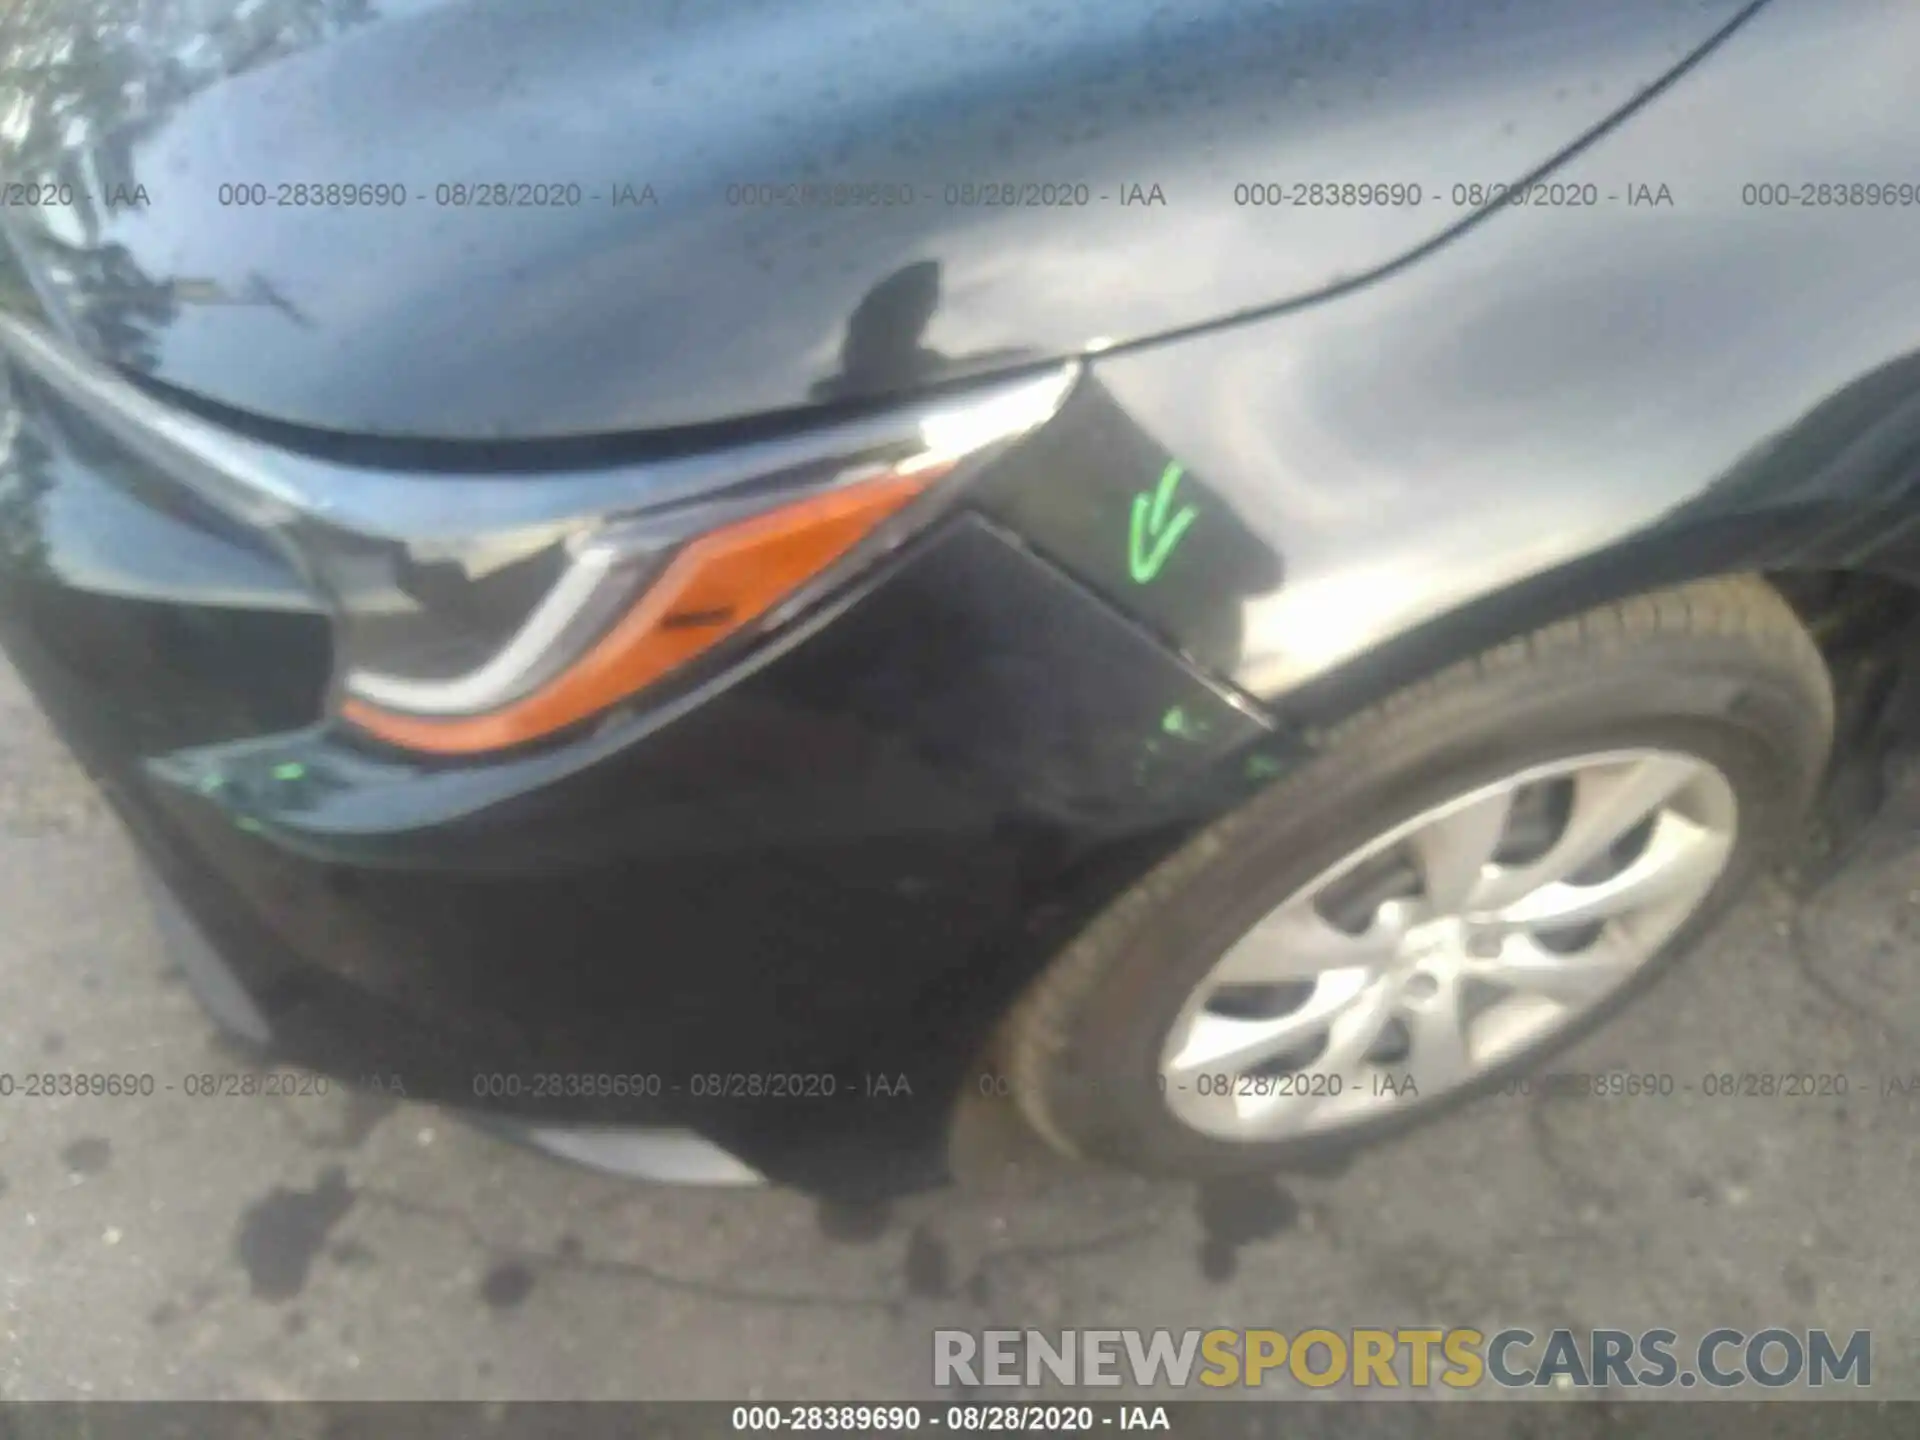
(1720, 671)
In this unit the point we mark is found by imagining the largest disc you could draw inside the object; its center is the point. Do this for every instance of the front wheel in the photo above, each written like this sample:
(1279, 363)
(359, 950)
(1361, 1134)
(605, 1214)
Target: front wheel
(1462, 880)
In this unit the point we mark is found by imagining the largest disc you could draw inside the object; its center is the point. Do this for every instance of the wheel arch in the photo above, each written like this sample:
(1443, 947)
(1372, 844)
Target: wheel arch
(1853, 608)
(1863, 618)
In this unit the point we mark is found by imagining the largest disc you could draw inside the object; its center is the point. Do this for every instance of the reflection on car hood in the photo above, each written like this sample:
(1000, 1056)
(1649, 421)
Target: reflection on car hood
(1044, 178)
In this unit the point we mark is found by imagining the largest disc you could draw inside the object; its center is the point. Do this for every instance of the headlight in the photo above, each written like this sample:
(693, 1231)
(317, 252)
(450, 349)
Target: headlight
(477, 612)
(469, 649)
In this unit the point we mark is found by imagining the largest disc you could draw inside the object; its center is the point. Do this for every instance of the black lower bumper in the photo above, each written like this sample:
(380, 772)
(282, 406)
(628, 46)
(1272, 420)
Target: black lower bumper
(781, 911)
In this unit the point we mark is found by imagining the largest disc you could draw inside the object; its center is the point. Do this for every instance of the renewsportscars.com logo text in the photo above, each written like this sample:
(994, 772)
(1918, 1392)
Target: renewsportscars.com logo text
(1413, 1358)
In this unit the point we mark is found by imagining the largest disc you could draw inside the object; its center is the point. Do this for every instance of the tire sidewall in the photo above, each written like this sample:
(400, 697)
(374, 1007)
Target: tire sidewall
(1753, 728)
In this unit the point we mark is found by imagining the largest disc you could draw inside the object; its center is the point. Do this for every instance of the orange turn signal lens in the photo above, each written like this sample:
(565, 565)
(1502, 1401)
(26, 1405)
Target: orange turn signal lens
(717, 583)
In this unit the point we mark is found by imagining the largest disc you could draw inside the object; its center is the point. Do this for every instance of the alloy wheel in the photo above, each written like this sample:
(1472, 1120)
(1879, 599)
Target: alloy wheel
(1446, 947)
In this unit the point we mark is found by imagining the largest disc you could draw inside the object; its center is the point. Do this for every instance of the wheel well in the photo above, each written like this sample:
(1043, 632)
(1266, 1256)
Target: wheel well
(1848, 611)
(1868, 629)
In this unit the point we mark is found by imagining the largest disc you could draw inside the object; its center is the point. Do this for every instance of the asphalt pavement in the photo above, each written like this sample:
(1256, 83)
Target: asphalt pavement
(336, 1246)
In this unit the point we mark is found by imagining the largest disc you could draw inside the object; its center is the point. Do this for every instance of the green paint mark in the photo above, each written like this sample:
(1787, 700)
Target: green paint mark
(248, 824)
(1262, 767)
(1152, 537)
(1177, 722)
(291, 770)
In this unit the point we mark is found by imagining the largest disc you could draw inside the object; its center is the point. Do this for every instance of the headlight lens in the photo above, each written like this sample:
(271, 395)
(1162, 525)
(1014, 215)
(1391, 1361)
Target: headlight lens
(617, 613)
(463, 644)
(473, 612)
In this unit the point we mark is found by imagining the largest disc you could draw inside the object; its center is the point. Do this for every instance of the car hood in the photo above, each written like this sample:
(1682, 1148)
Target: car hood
(1063, 177)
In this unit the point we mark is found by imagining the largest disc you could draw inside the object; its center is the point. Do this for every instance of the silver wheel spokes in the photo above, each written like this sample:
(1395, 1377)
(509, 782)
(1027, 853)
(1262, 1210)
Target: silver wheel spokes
(1446, 946)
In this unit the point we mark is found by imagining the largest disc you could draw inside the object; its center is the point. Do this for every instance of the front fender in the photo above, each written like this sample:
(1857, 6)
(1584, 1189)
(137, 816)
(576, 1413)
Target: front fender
(1563, 405)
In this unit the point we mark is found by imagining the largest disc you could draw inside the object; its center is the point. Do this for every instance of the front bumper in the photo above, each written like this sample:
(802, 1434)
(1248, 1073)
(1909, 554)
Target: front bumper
(669, 1156)
(779, 911)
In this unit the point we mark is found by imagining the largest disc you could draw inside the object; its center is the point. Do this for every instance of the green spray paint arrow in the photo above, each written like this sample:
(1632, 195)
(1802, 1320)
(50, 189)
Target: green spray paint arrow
(1152, 538)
